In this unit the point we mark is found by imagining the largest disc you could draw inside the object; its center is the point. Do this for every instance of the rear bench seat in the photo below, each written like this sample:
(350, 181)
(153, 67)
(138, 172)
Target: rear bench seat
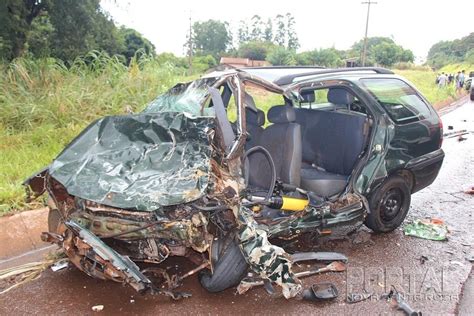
(332, 143)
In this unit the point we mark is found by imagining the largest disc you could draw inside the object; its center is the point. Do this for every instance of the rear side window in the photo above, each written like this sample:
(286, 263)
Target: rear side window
(400, 100)
(314, 99)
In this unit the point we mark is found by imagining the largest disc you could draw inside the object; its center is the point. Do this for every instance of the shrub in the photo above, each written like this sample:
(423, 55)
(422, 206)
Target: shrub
(280, 56)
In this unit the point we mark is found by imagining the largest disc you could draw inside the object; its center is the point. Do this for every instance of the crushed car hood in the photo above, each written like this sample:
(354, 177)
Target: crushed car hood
(143, 161)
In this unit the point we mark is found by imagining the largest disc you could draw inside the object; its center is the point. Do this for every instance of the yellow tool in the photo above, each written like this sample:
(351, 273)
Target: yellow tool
(292, 204)
(284, 203)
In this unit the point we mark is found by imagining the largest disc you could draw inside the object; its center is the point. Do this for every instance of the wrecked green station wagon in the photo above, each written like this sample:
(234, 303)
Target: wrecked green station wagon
(186, 177)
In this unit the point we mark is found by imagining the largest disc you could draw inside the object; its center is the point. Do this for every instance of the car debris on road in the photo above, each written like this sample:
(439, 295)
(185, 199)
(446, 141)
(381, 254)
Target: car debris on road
(248, 283)
(60, 264)
(397, 300)
(433, 229)
(320, 292)
(97, 308)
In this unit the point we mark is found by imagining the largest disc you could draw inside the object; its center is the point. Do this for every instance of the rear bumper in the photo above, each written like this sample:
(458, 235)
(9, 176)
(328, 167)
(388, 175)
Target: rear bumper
(426, 169)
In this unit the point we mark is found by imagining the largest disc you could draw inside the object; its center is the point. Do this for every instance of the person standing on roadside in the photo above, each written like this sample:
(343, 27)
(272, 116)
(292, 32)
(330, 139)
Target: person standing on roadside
(442, 80)
(461, 79)
(456, 79)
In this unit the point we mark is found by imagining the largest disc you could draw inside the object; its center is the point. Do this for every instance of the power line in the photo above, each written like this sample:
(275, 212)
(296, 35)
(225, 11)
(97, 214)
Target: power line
(364, 52)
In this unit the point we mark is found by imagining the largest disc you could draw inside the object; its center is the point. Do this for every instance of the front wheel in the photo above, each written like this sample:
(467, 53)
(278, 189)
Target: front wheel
(229, 267)
(389, 205)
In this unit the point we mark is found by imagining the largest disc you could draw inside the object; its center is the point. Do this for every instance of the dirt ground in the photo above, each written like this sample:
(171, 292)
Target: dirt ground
(431, 274)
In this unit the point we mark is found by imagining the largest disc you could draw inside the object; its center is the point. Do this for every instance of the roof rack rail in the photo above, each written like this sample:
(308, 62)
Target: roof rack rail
(282, 67)
(289, 78)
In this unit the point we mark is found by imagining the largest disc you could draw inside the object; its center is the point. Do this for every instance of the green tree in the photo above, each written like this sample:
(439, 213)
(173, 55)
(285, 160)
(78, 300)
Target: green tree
(63, 29)
(81, 26)
(280, 34)
(328, 57)
(470, 57)
(211, 37)
(171, 59)
(386, 54)
(304, 59)
(293, 42)
(268, 32)
(243, 32)
(446, 52)
(406, 56)
(203, 63)
(257, 28)
(281, 56)
(371, 42)
(255, 50)
(134, 42)
(39, 38)
(16, 17)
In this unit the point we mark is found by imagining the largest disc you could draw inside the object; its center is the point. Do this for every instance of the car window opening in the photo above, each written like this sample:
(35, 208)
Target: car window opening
(315, 143)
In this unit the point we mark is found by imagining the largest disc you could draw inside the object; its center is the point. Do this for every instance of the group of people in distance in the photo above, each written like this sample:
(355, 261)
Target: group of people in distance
(443, 80)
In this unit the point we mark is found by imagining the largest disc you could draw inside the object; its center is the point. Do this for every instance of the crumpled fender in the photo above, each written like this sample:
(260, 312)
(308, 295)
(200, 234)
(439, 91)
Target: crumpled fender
(36, 184)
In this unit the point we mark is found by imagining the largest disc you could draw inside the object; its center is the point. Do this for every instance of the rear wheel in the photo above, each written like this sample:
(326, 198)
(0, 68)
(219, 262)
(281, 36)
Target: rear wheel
(389, 205)
(472, 94)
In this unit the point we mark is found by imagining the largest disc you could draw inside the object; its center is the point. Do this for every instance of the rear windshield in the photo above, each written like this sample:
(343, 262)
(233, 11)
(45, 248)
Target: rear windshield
(401, 101)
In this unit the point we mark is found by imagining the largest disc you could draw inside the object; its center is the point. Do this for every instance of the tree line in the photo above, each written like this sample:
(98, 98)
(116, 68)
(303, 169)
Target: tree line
(64, 29)
(448, 52)
(276, 41)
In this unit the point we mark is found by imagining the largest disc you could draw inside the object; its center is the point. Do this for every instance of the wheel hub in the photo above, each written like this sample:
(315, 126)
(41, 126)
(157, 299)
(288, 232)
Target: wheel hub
(391, 204)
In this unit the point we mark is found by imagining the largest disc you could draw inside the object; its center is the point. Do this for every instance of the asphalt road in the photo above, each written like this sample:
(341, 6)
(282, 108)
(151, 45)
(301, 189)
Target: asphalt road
(433, 285)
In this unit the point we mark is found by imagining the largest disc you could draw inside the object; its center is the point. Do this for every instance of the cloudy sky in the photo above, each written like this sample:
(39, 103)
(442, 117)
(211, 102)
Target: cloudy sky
(415, 24)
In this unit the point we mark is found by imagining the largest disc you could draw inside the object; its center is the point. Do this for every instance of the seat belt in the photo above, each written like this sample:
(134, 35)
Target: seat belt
(222, 120)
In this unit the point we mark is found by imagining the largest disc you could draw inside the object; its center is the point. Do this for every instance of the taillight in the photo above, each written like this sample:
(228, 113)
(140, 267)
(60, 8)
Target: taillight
(440, 132)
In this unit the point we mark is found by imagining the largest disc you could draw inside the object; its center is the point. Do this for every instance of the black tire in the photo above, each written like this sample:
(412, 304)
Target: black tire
(472, 95)
(229, 269)
(389, 205)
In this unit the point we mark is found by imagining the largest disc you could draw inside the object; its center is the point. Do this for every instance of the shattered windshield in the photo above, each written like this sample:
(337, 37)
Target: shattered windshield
(184, 98)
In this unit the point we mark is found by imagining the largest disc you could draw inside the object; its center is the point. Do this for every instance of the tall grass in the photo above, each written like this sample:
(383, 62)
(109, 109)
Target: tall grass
(425, 81)
(35, 92)
(44, 104)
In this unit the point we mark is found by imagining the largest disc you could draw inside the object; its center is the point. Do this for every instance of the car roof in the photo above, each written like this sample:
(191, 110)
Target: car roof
(283, 76)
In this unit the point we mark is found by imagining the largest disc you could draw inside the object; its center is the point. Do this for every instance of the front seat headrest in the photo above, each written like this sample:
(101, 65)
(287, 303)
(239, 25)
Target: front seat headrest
(254, 118)
(308, 96)
(281, 114)
(340, 96)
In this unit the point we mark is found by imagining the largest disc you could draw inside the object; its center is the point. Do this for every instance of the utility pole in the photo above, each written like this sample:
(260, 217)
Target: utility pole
(364, 52)
(190, 48)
